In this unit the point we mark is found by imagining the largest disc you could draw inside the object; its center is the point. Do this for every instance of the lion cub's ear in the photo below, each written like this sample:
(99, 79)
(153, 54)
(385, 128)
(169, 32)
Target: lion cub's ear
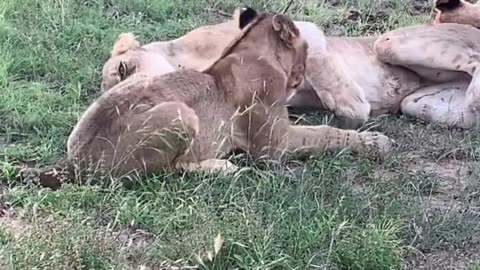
(444, 5)
(125, 42)
(236, 13)
(246, 16)
(287, 30)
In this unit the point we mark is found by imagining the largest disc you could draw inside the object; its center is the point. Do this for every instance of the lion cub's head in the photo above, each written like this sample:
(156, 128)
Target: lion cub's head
(457, 11)
(271, 38)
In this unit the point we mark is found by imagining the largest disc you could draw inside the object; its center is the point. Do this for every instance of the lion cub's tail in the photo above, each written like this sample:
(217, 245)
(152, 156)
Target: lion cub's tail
(50, 176)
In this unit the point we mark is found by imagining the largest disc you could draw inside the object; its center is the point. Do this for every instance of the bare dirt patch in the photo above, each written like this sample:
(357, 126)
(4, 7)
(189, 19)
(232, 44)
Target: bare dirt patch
(451, 259)
(14, 225)
(452, 179)
(448, 233)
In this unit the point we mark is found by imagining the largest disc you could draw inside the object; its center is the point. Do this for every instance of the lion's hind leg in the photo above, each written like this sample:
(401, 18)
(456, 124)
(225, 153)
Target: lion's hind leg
(443, 104)
(319, 139)
(445, 48)
(156, 138)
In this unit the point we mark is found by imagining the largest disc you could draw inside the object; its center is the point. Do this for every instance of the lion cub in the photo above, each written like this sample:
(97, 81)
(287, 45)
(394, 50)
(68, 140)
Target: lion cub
(188, 119)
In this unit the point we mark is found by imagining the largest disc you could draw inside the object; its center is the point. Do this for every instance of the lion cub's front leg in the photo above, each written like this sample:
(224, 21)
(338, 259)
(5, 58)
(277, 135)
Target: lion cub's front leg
(276, 135)
(319, 139)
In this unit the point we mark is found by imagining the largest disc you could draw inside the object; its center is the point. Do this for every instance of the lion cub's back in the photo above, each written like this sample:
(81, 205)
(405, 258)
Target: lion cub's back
(109, 114)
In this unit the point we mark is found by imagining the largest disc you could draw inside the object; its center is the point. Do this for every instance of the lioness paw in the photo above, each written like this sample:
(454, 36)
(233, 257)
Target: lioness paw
(353, 113)
(210, 166)
(218, 165)
(473, 102)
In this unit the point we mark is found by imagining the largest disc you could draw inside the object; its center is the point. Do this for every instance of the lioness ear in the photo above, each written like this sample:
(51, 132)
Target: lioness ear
(287, 30)
(246, 16)
(122, 70)
(124, 42)
(444, 5)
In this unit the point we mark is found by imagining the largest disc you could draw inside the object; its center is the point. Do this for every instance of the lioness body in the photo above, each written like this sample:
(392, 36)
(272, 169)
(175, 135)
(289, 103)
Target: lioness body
(360, 76)
(352, 77)
(198, 48)
(380, 85)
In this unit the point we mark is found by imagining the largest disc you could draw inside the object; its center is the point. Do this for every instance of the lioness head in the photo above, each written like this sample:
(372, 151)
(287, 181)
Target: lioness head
(122, 61)
(127, 58)
(457, 11)
(272, 36)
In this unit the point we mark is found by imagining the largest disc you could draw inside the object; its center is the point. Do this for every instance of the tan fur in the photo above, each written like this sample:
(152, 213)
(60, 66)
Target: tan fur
(350, 76)
(189, 119)
(420, 71)
(428, 64)
(125, 42)
(190, 51)
(465, 13)
(371, 86)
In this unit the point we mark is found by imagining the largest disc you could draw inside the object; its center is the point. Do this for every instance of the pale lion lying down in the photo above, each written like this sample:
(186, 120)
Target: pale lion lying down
(190, 120)
(423, 71)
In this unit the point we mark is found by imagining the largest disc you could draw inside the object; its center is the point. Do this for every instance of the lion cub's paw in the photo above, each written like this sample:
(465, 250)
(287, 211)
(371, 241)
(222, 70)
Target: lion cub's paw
(375, 142)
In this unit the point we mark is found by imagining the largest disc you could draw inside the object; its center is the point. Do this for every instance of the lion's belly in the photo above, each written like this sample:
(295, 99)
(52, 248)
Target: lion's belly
(384, 85)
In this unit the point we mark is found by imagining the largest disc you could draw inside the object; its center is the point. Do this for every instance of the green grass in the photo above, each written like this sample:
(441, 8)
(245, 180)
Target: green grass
(331, 212)
(474, 266)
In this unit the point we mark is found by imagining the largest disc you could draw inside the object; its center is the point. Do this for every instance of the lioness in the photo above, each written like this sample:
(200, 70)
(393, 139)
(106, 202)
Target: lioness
(190, 119)
(354, 77)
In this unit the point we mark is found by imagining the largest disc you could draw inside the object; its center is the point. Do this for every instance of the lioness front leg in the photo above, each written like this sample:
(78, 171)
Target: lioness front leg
(444, 48)
(319, 139)
(337, 91)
